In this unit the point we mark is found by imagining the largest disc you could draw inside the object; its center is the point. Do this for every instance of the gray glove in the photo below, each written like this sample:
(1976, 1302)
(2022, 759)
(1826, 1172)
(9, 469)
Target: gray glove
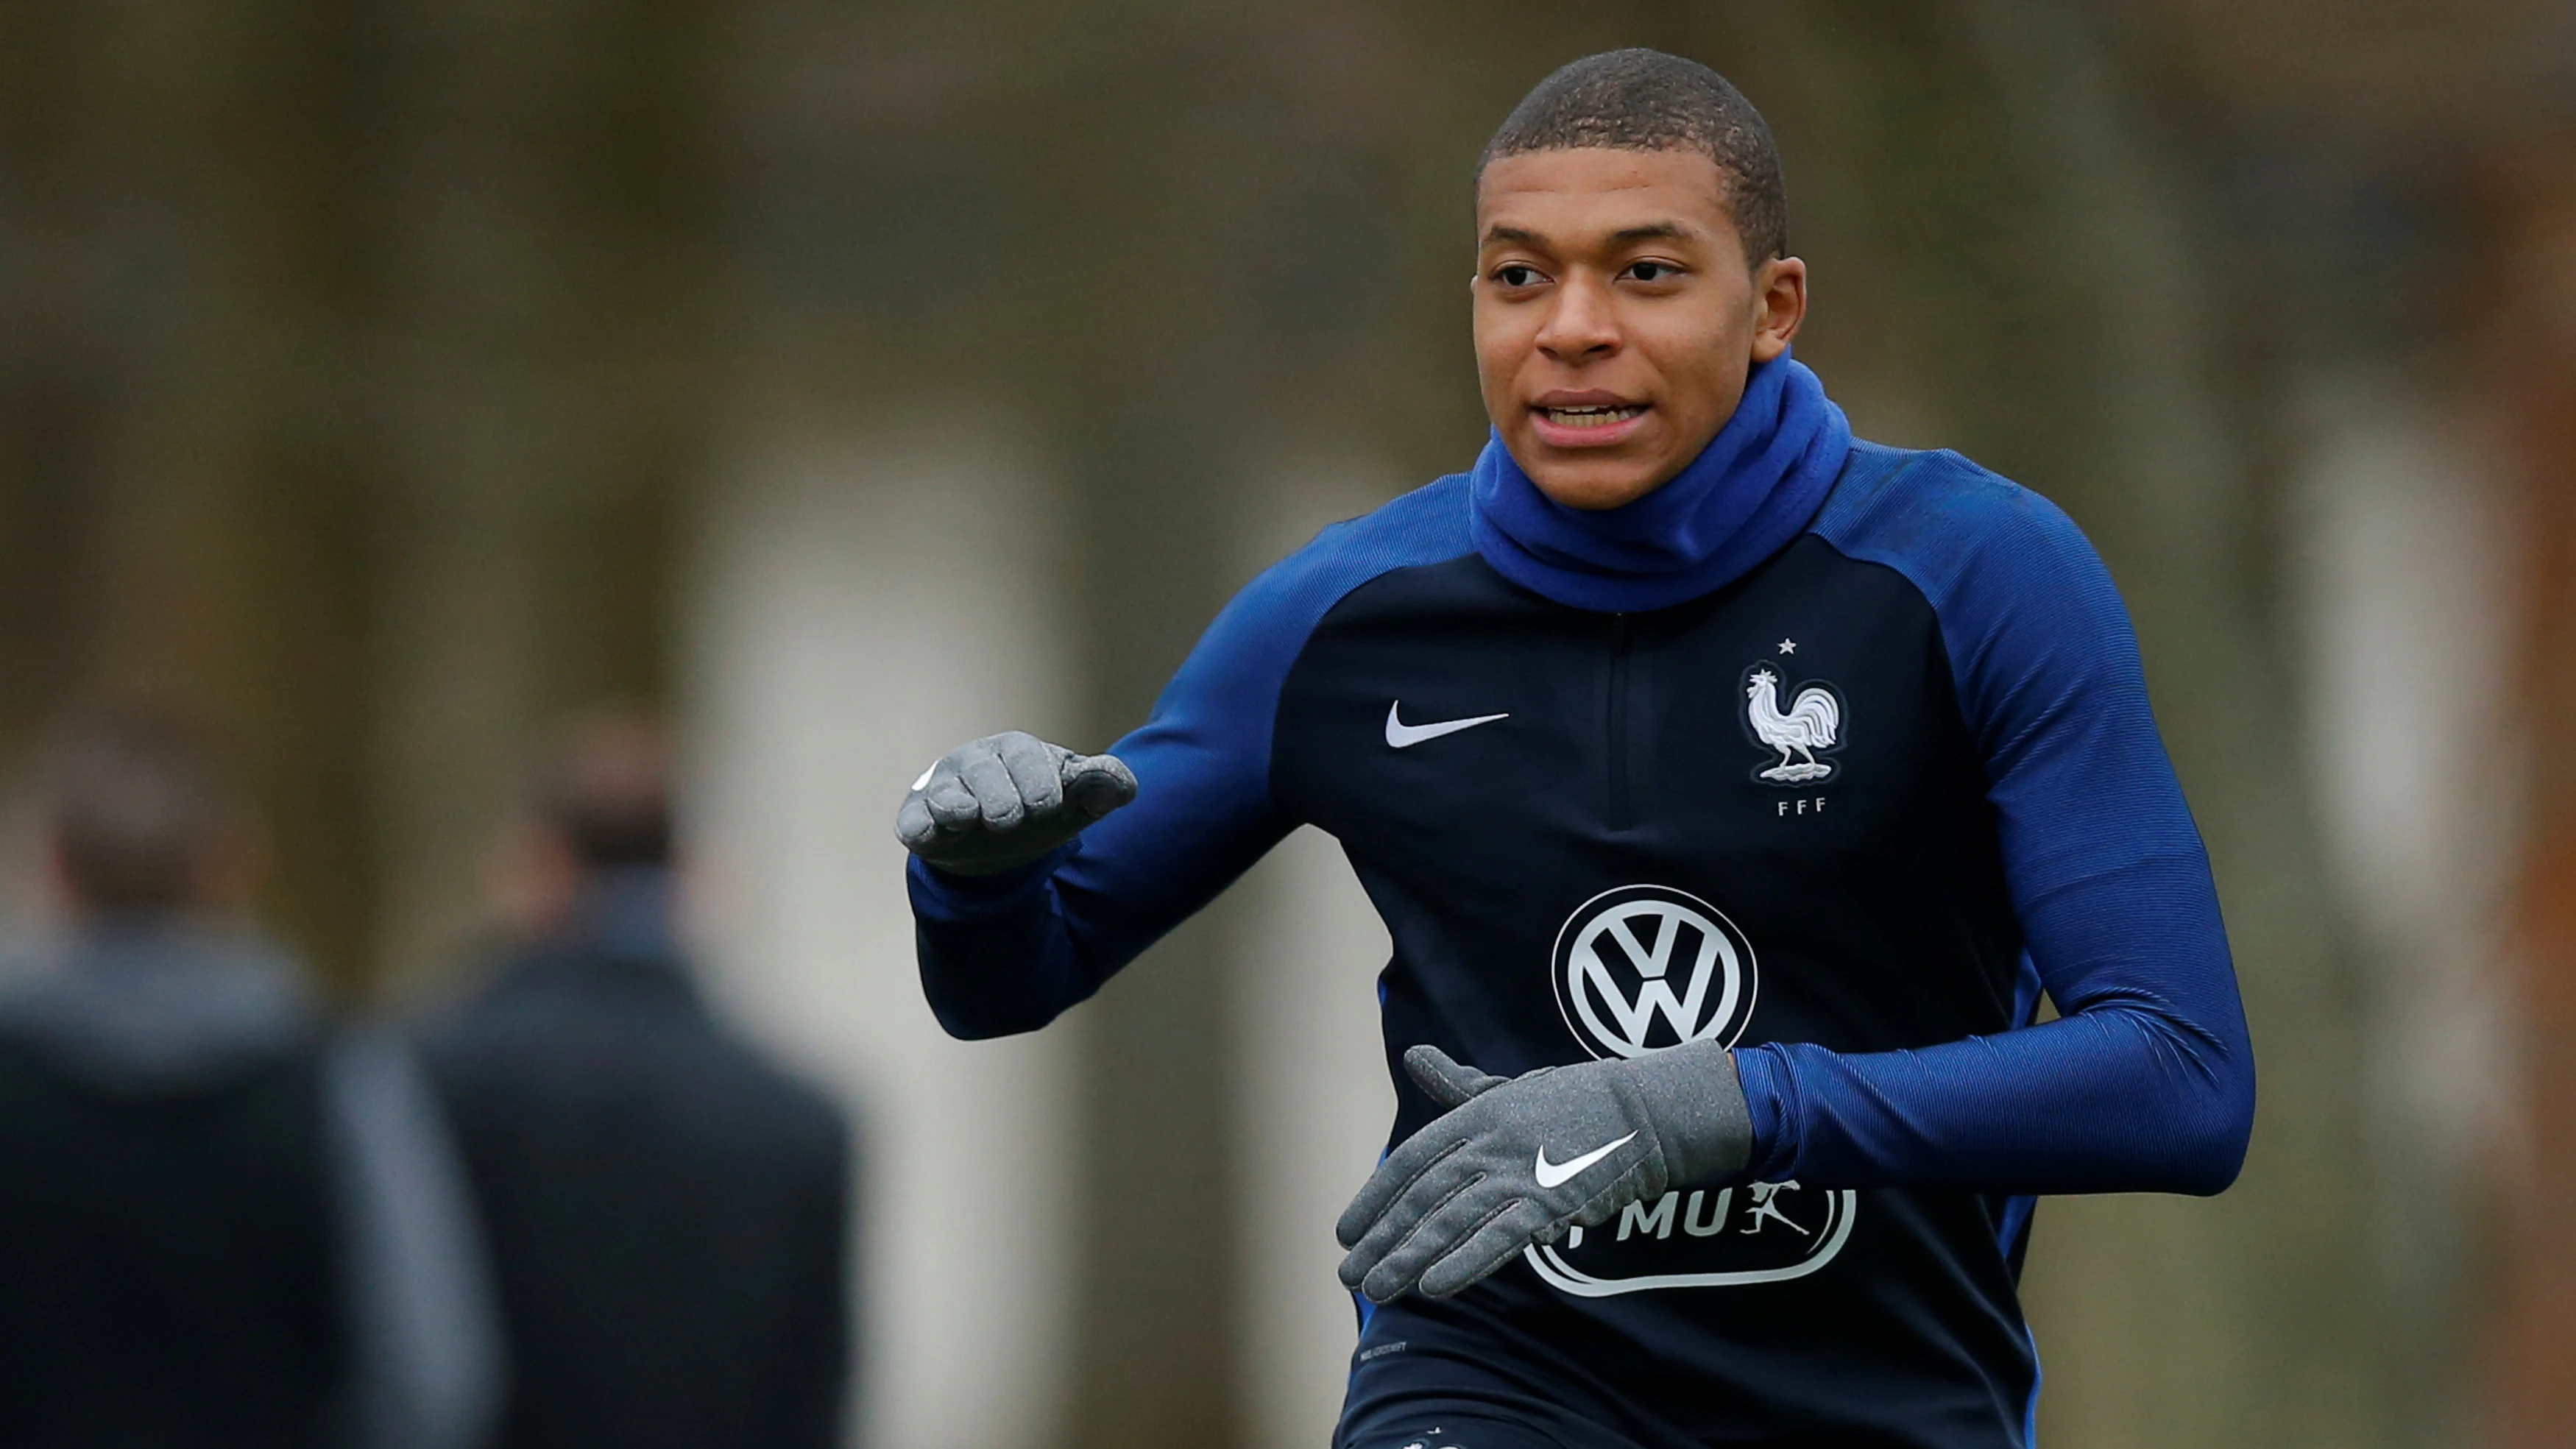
(1518, 1159)
(1005, 800)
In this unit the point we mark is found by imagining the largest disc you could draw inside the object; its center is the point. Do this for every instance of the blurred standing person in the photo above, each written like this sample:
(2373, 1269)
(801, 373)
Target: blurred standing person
(667, 1211)
(222, 1227)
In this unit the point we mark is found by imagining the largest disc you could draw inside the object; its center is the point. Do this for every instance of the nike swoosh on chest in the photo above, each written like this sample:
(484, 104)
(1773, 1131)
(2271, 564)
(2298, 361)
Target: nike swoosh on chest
(1402, 736)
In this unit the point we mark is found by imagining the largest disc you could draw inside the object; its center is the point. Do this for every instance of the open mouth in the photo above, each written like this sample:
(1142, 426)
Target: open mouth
(1595, 416)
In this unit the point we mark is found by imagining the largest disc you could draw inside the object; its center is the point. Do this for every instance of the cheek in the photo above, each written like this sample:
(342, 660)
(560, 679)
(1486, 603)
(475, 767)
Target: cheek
(1501, 349)
(1702, 368)
(1688, 357)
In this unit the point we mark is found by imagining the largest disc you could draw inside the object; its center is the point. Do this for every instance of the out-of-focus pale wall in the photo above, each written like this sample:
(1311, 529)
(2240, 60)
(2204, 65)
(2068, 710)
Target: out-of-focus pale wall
(861, 605)
(2403, 574)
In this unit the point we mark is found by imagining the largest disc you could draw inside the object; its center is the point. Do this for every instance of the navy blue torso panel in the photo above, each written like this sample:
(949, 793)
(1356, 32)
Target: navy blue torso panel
(1616, 822)
(1849, 814)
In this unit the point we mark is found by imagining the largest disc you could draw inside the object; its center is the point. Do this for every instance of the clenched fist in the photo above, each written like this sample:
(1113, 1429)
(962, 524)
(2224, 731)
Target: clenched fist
(1005, 800)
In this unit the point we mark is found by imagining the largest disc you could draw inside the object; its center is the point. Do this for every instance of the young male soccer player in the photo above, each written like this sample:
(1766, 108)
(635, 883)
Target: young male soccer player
(1732, 789)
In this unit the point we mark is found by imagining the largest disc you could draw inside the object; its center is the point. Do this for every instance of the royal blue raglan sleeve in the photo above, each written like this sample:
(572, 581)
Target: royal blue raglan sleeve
(2146, 1082)
(1008, 953)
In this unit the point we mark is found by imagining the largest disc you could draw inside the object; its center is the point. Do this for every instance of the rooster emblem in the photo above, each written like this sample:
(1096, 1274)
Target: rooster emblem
(1813, 722)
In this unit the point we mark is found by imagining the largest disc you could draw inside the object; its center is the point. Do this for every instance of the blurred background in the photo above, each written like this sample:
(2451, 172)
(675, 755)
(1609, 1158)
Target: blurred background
(384, 382)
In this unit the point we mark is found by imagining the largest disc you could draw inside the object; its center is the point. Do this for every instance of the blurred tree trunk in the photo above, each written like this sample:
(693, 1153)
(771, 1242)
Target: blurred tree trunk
(2529, 342)
(538, 329)
(1144, 405)
(183, 479)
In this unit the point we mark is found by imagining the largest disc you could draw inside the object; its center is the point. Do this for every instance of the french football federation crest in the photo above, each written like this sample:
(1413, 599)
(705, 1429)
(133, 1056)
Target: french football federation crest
(1812, 725)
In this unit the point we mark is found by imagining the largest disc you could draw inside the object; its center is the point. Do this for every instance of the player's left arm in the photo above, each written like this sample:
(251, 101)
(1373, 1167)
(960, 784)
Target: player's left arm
(2146, 1083)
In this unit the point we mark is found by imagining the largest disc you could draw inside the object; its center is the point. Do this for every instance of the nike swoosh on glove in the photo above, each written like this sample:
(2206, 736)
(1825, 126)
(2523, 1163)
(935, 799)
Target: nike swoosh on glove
(1463, 1196)
(1006, 800)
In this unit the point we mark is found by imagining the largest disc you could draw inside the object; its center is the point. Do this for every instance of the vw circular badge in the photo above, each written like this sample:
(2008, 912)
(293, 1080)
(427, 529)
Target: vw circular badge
(1647, 966)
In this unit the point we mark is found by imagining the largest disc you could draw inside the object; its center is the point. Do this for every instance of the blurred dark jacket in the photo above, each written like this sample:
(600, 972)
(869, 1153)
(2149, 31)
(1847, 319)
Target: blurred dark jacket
(666, 1211)
(221, 1226)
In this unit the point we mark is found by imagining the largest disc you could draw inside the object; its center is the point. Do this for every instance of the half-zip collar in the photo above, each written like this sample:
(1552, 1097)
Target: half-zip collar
(1747, 494)
(1614, 755)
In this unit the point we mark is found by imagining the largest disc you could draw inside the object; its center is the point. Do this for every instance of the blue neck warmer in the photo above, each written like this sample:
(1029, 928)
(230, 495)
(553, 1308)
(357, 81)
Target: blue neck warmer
(1748, 493)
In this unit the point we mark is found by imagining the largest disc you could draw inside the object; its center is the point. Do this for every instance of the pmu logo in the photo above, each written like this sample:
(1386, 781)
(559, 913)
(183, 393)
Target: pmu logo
(1647, 966)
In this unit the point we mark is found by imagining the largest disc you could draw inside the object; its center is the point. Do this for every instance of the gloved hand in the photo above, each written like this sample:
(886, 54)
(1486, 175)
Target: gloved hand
(1005, 800)
(1516, 1160)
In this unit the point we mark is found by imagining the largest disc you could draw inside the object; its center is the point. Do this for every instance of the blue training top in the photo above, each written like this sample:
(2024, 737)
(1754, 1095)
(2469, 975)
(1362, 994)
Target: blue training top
(1852, 812)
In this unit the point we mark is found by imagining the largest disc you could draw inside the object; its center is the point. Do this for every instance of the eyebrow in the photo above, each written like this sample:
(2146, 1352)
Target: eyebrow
(1650, 231)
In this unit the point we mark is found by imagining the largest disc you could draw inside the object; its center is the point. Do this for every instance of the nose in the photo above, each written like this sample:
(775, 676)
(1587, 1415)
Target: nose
(1580, 325)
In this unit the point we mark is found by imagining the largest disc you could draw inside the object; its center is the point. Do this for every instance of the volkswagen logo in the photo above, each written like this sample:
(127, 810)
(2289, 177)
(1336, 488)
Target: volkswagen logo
(1646, 966)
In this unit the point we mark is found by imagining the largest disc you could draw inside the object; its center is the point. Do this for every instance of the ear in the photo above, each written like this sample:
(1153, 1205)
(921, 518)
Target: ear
(1779, 305)
(531, 878)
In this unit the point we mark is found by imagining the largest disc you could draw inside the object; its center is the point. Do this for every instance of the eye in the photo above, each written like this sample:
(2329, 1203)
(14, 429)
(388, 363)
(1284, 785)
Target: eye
(1650, 271)
(1518, 274)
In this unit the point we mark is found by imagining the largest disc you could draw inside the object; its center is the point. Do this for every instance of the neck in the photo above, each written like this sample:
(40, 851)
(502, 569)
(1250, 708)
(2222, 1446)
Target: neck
(626, 911)
(1741, 500)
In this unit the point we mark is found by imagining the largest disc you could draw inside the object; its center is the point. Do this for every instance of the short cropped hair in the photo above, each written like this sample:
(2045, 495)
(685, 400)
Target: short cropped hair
(135, 811)
(1645, 100)
(608, 791)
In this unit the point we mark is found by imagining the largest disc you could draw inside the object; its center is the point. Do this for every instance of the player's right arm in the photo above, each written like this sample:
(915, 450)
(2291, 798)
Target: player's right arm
(988, 825)
(1032, 877)
(1037, 873)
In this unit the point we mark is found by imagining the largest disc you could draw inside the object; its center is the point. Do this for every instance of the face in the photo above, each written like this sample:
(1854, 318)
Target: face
(533, 879)
(1616, 315)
